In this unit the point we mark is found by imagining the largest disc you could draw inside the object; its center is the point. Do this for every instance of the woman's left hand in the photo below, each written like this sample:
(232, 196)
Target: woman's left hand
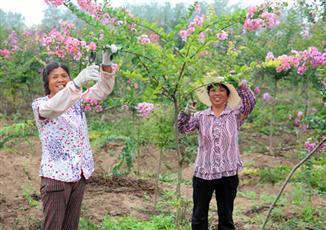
(244, 83)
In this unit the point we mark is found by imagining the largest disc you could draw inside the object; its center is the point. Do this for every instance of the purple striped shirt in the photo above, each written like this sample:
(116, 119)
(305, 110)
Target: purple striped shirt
(218, 152)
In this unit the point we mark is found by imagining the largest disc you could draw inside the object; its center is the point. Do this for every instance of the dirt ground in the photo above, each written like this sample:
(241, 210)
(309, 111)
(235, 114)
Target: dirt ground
(113, 196)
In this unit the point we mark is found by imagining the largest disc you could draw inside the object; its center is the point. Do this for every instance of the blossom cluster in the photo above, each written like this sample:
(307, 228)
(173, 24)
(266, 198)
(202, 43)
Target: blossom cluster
(301, 60)
(62, 44)
(297, 120)
(55, 3)
(92, 104)
(13, 41)
(267, 97)
(257, 90)
(5, 53)
(259, 17)
(222, 36)
(309, 145)
(144, 109)
(96, 10)
(146, 39)
(197, 21)
(89, 6)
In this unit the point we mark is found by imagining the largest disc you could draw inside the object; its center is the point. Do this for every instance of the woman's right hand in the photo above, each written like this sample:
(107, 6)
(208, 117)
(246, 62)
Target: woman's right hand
(190, 108)
(90, 73)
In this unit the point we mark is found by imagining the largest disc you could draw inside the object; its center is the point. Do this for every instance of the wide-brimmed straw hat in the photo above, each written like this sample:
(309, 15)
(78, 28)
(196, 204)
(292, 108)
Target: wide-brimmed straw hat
(202, 94)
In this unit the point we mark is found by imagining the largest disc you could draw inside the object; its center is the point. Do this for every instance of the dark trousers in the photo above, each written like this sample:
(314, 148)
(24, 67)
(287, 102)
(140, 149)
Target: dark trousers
(225, 192)
(61, 203)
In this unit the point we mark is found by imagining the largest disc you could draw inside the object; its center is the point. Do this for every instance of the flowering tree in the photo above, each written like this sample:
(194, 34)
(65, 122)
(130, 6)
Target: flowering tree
(171, 64)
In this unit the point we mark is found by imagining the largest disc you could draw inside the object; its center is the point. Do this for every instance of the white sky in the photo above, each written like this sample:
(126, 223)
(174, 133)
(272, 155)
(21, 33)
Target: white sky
(32, 10)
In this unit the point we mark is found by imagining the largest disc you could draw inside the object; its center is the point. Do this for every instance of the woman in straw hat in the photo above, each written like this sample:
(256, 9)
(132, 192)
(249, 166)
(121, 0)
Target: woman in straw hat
(218, 158)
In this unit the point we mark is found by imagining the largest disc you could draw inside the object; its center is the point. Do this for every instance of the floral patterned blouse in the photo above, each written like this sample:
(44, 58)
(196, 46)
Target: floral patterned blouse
(66, 151)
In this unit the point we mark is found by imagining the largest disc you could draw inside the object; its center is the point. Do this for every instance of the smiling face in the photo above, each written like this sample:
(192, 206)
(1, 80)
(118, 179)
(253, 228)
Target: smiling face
(58, 79)
(218, 95)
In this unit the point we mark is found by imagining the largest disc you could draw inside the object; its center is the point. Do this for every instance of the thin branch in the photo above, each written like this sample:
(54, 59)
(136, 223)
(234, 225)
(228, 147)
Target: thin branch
(146, 27)
(165, 91)
(288, 179)
(181, 72)
(136, 54)
(199, 49)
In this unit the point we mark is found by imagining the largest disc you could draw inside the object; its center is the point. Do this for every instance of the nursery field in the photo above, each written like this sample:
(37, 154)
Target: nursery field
(126, 202)
(160, 55)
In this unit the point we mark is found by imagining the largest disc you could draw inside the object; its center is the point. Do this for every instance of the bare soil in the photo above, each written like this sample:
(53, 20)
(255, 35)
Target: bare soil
(117, 196)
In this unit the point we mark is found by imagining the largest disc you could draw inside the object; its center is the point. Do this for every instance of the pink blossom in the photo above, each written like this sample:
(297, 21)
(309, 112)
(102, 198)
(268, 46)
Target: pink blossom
(13, 41)
(144, 39)
(267, 97)
(202, 37)
(28, 33)
(270, 19)
(198, 20)
(55, 3)
(115, 68)
(106, 19)
(297, 122)
(92, 46)
(197, 8)
(183, 34)
(286, 62)
(154, 38)
(254, 21)
(302, 69)
(60, 53)
(98, 108)
(251, 11)
(269, 56)
(88, 108)
(92, 104)
(144, 109)
(190, 30)
(252, 24)
(5, 53)
(125, 107)
(222, 36)
(300, 114)
(310, 146)
(257, 90)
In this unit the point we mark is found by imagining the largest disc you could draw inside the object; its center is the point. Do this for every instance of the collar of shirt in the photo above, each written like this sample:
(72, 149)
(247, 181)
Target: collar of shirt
(209, 111)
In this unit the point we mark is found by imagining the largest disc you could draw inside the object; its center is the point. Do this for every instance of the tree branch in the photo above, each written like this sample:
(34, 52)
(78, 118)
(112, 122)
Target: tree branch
(288, 179)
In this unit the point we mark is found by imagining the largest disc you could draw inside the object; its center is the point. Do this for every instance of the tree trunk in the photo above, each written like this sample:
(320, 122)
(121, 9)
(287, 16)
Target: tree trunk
(179, 159)
(305, 92)
(158, 172)
(271, 124)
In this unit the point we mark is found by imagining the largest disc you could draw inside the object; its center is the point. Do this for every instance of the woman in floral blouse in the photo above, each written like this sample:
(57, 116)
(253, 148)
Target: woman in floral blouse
(67, 160)
(218, 158)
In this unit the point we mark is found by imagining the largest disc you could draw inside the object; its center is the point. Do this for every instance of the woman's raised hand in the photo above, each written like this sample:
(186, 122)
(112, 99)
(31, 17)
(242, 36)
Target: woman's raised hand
(90, 73)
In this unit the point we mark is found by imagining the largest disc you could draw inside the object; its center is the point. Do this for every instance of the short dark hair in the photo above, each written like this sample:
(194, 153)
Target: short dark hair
(46, 72)
(209, 87)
